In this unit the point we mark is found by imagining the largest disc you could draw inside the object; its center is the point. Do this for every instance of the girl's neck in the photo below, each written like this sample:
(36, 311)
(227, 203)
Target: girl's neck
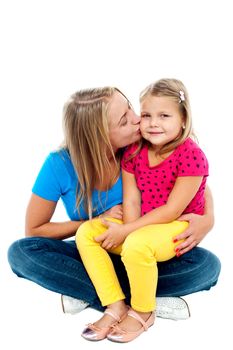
(155, 158)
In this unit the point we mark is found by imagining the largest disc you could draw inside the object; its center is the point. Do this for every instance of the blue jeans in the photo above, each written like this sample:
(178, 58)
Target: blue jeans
(56, 265)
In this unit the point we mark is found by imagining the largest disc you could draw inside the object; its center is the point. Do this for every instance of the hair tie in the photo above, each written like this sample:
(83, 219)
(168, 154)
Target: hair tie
(182, 97)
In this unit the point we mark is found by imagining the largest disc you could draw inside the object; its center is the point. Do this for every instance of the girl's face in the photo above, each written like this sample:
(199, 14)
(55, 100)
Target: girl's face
(161, 120)
(124, 127)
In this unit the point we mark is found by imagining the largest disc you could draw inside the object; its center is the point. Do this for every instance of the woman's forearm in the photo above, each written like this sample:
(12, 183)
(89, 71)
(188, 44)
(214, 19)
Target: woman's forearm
(56, 230)
(209, 207)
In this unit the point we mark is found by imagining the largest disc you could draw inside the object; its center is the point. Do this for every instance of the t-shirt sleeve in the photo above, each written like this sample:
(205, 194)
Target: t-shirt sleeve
(192, 161)
(127, 163)
(47, 185)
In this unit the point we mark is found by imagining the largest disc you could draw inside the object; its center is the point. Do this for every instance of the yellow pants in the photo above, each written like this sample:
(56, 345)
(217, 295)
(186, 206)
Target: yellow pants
(140, 252)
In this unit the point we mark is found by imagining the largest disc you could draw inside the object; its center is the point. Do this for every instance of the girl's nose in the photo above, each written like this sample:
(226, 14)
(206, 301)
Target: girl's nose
(154, 122)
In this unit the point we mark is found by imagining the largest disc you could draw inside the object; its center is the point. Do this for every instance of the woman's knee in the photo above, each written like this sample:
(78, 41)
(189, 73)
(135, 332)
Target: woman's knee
(212, 261)
(18, 254)
(13, 254)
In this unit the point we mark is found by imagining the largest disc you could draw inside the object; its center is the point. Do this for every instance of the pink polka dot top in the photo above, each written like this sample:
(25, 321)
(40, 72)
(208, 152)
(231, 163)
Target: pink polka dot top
(156, 182)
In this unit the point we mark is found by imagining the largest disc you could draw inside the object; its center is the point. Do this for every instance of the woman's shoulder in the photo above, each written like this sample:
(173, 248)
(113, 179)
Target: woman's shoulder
(60, 154)
(59, 157)
(59, 161)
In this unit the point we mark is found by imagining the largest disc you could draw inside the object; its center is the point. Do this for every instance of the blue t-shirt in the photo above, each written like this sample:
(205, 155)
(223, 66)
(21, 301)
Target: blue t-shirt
(57, 179)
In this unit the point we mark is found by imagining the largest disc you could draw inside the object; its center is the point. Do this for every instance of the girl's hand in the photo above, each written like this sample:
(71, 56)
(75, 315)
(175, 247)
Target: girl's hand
(199, 226)
(113, 237)
(114, 212)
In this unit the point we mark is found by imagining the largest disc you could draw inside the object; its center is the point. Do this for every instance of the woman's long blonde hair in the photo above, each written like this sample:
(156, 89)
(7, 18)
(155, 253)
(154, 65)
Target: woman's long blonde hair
(86, 131)
(176, 90)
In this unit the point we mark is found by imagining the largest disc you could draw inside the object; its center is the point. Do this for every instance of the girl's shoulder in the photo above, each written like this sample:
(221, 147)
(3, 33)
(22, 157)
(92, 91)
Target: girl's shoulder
(131, 148)
(130, 157)
(189, 146)
(190, 156)
(130, 151)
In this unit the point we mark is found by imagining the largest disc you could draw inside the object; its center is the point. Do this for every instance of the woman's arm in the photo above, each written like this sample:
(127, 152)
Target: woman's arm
(38, 215)
(131, 198)
(199, 225)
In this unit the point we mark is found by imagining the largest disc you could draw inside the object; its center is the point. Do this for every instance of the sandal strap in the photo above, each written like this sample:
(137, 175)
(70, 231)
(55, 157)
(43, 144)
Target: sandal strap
(136, 316)
(113, 314)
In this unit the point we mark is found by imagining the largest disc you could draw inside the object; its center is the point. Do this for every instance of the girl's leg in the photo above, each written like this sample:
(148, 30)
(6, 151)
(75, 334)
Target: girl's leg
(98, 263)
(141, 251)
(101, 271)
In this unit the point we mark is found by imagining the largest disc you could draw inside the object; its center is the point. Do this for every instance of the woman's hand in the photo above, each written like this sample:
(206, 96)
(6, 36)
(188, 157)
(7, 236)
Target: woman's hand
(114, 212)
(113, 237)
(199, 226)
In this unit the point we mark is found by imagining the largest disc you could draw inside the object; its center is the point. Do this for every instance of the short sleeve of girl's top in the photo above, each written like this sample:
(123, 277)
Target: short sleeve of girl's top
(191, 160)
(129, 165)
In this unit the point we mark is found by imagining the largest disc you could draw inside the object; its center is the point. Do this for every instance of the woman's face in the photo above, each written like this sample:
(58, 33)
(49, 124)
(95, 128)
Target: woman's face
(124, 127)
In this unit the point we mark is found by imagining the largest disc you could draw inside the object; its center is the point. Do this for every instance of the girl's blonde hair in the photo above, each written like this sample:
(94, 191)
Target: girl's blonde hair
(176, 90)
(86, 131)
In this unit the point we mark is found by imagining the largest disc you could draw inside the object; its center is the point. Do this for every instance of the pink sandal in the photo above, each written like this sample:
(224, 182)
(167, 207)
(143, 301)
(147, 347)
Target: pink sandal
(121, 336)
(94, 333)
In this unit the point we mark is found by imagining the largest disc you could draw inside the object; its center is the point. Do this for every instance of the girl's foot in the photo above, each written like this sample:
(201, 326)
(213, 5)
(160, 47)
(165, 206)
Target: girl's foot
(100, 329)
(131, 326)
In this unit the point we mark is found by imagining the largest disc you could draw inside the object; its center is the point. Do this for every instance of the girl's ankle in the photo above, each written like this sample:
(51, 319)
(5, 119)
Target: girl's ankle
(143, 315)
(118, 307)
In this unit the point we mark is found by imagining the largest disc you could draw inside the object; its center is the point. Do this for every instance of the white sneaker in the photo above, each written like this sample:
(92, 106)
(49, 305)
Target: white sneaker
(173, 308)
(71, 305)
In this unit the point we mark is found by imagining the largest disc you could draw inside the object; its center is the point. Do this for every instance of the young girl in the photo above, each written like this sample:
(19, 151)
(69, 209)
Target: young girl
(164, 176)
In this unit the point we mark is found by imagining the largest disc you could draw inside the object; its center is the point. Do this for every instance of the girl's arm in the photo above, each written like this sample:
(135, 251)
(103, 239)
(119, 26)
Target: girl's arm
(183, 192)
(38, 215)
(131, 198)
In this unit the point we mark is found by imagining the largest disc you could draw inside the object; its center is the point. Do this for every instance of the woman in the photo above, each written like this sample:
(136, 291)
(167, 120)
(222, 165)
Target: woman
(85, 174)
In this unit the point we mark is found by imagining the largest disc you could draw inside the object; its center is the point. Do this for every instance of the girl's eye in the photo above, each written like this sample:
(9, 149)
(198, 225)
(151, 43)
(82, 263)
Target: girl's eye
(145, 116)
(164, 115)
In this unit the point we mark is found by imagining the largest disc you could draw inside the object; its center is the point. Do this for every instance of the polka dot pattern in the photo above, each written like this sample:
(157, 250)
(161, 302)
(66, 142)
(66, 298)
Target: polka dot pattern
(156, 182)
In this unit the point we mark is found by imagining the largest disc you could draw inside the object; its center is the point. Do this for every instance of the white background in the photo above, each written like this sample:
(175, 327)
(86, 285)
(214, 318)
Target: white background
(50, 49)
